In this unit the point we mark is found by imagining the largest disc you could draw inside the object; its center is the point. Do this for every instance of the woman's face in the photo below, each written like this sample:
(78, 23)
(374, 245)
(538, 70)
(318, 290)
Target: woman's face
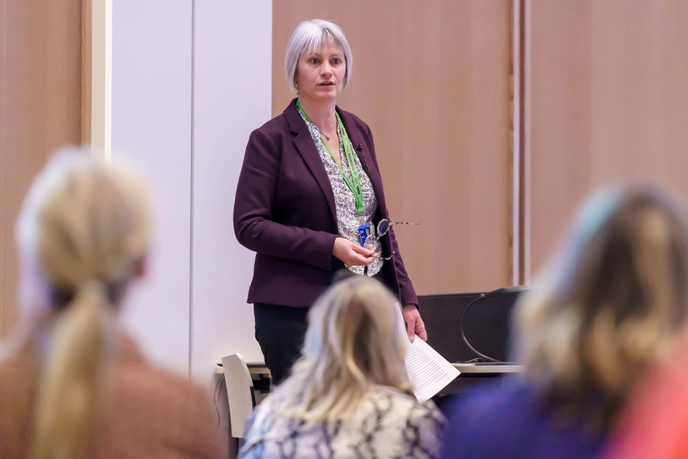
(320, 75)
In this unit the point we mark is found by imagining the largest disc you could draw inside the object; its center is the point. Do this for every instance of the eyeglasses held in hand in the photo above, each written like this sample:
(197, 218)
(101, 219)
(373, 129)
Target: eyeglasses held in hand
(383, 228)
(385, 225)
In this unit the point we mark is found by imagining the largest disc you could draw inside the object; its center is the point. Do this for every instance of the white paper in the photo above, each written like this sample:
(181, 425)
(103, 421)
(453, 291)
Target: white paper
(428, 371)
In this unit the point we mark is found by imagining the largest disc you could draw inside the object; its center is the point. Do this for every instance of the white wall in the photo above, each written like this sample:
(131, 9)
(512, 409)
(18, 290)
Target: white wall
(232, 96)
(151, 122)
(191, 79)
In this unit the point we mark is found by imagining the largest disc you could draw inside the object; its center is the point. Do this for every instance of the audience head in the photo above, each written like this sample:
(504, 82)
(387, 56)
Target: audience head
(352, 344)
(610, 304)
(82, 235)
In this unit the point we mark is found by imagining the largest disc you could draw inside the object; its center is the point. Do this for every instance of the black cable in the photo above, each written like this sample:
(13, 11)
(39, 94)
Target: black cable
(498, 292)
(463, 333)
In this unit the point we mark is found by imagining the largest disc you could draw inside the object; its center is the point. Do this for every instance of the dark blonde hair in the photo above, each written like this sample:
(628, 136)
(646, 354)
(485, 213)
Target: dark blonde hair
(352, 344)
(610, 305)
(82, 232)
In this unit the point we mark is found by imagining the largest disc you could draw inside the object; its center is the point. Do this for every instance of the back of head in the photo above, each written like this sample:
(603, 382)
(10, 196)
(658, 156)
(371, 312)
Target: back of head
(82, 234)
(610, 305)
(352, 344)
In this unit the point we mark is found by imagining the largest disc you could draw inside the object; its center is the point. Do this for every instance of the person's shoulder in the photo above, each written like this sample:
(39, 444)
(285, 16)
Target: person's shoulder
(491, 420)
(492, 400)
(159, 389)
(354, 119)
(408, 403)
(274, 127)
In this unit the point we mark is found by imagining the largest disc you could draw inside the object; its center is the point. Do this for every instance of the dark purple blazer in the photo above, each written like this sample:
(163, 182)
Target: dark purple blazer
(285, 212)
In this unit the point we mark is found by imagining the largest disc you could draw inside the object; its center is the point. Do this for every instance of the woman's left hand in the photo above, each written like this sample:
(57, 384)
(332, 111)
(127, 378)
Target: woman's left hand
(414, 324)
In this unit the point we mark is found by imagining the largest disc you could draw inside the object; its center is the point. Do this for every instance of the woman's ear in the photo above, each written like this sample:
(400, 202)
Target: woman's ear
(141, 267)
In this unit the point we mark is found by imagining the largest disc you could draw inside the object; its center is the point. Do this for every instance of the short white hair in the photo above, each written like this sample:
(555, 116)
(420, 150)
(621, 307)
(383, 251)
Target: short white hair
(311, 35)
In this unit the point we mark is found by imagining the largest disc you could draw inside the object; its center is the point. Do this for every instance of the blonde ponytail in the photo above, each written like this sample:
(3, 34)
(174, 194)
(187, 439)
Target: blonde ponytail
(72, 387)
(82, 233)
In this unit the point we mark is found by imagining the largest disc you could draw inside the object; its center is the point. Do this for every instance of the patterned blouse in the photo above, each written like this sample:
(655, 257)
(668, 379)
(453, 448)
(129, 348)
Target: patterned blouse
(387, 424)
(348, 219)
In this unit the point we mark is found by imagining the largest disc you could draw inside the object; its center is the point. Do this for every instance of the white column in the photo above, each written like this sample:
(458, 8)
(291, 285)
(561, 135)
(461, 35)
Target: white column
(232, 97)
(151, 124)
(101, 78)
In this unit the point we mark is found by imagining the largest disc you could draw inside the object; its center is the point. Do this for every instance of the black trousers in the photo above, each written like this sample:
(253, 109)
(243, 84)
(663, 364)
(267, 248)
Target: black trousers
(280, 331)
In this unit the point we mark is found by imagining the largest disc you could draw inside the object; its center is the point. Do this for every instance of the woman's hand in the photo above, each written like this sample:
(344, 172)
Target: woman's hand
(414, 324)
(352, 254)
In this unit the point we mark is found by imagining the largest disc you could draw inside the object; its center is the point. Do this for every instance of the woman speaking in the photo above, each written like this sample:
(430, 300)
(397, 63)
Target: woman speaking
(310, 199)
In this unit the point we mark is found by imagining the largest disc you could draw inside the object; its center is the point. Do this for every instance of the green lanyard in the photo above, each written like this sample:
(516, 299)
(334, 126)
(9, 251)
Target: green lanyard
(354, 183)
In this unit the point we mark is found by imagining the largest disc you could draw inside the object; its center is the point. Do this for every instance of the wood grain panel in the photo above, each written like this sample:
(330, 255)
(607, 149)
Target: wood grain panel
(40, 108)
(608, 94)
(432, 80)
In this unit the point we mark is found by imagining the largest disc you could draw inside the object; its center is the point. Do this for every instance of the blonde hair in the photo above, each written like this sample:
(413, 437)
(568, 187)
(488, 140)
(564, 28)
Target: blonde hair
(612, 307)
(83, 229)
(352, 343)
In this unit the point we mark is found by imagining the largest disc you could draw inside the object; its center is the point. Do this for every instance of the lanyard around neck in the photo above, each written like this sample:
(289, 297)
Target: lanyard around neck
(354, 183)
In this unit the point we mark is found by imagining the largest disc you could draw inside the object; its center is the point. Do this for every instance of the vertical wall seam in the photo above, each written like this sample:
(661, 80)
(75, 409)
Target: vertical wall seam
(3, 303)
(191, 201)
(526, 153)
(515, 160)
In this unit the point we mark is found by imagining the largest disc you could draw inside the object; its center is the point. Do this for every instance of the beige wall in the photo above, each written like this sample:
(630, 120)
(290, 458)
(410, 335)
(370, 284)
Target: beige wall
(40, 105)
(607, 91)
(432, 79)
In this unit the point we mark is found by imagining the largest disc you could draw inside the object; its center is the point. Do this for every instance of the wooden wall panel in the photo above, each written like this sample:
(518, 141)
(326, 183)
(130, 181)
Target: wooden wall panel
(40, 105)
(432, 80)
(607, 91)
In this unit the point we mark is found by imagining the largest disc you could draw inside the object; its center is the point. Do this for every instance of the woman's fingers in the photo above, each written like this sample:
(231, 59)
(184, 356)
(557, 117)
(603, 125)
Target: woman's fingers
(360, 260)
(351, 253)
(366, 252)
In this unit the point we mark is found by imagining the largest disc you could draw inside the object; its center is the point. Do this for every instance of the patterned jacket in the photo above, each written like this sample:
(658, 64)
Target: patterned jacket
(387, 424)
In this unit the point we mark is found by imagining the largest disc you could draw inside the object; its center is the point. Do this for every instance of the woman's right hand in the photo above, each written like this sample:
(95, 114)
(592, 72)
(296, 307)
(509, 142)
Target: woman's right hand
(352, 254)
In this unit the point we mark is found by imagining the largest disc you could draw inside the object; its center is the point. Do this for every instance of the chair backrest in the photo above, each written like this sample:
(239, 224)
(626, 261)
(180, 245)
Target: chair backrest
(240, 395)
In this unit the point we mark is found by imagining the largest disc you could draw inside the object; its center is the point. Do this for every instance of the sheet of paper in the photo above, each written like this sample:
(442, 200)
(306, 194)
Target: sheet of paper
(428, 371)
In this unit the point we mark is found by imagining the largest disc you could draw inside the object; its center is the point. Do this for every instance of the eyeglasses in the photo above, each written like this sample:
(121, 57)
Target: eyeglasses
(383, 228)
(385, 225)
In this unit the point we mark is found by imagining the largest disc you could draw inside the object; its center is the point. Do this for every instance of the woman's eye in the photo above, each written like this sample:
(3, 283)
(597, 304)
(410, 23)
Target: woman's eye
(336, 61)
(314, 60)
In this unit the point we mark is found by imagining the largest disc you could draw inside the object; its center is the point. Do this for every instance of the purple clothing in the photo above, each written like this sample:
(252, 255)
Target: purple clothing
(285, 212)
(508, 423)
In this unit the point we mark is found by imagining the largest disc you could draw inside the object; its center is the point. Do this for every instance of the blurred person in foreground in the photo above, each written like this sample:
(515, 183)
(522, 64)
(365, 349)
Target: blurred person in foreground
(655, 422)
(608, 307)
(349, 395)
(72, 385)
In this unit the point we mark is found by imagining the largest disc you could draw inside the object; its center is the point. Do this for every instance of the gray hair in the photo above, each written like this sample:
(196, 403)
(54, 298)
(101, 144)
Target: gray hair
(310, 35)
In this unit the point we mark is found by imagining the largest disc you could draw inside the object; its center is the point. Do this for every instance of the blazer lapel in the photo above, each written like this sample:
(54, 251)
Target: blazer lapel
(356, 137)
(309, 152)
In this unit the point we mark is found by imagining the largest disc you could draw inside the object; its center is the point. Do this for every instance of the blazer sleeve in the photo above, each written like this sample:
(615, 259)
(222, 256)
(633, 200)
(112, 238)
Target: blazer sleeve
(253, 206)
(407, 294)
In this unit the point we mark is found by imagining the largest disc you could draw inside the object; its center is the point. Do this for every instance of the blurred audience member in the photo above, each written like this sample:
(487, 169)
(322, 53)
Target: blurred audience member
(608, 308)
(349, 394)
(655, 423)
(72, 386)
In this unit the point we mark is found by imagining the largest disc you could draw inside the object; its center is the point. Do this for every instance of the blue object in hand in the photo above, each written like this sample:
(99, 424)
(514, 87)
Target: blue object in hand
(363, 234)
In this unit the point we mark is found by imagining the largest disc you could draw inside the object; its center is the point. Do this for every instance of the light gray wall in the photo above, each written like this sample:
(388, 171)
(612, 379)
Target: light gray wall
(151, 122)
(232, 97)
(191, 79)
